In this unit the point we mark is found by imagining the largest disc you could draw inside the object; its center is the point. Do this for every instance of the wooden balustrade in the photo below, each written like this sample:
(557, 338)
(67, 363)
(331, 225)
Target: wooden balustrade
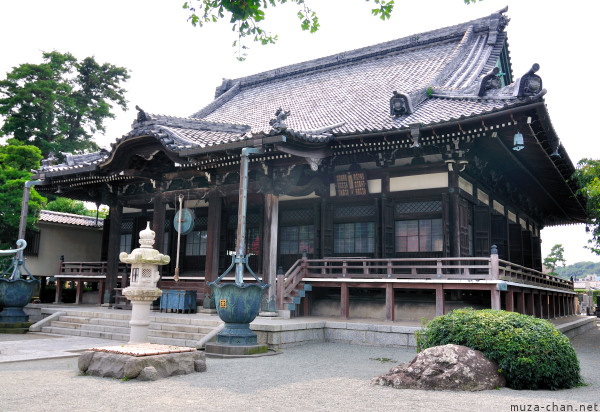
(452, 268)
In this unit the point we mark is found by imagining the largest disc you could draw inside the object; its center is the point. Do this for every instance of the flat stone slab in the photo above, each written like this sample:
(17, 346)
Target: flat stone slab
(143, 349)
(143, 362)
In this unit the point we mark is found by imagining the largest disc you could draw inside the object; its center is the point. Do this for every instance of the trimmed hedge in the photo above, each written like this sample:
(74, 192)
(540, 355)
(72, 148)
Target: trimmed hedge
(531, 353)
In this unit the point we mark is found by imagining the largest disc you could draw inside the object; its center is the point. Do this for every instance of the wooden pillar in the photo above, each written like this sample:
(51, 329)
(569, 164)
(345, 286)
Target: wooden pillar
(79, 293)
(571, 305)
(344, 301)
(158, 224)
(269, 263)
(58, 296)
(531, 303)
(509, 300)
(114, 243)
(454, 200)
(540, 306)
(439, 300)
(211, 265)
(101, 291)
(495, 298)
(521, 302)
(389, 302)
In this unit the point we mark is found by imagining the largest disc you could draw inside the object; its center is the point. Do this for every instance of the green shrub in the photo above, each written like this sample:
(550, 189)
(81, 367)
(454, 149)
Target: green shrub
(531, 353)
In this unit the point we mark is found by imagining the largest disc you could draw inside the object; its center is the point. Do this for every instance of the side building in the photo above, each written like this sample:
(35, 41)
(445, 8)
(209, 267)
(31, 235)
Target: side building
(412, 174)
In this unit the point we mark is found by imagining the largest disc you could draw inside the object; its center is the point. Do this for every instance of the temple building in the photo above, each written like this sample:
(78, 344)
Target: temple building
(397, 181)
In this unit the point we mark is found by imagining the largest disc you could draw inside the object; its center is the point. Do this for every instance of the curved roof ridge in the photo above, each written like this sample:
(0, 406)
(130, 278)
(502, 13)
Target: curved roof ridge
(230, 87)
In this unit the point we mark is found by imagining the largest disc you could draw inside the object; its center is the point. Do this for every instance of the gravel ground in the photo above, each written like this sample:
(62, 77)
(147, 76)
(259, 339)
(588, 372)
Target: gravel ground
(321, 377)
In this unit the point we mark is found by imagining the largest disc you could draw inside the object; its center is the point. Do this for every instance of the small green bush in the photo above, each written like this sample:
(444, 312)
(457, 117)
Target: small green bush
(531, 353)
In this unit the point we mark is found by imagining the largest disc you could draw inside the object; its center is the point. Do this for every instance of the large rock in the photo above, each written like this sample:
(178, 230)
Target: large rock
(114, 365)
(448, 367)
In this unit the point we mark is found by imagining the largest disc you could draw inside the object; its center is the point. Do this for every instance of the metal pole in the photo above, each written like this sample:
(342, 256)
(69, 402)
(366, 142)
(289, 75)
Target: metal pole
(24, 208)
(242, 205)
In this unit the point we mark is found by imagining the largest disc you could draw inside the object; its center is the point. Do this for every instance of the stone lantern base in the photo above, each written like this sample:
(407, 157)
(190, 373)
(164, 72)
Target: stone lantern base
(140, 312)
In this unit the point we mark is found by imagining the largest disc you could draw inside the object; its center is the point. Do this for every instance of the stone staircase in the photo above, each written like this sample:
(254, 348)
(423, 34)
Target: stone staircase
(166, 330)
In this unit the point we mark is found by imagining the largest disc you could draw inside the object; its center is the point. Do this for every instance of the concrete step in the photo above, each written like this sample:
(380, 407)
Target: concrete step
(175, 335)
(163, 329)
(181, 328)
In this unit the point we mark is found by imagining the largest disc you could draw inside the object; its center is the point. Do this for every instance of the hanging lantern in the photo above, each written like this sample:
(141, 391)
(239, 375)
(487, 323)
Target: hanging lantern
(518, 142)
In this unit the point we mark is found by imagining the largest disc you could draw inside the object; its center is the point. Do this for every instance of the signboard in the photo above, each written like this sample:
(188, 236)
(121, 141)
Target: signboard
(351, 184)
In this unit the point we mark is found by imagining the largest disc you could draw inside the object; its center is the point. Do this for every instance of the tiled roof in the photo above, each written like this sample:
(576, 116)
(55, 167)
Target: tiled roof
(355, 89)
(50, 216)
(439, 71)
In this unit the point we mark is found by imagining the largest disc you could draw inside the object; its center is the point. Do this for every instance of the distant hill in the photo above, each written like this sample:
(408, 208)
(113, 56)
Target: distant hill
(579, 270)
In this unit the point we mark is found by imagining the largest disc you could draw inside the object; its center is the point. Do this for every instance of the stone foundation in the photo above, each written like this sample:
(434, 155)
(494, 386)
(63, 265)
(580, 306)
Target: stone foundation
(143, 362)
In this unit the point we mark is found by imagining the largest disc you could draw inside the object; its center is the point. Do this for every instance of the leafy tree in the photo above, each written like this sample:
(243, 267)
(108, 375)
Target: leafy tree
(555, 257)
(246, 14)
(66, 205)
(59, 104)
(588, 177)
(16, 159)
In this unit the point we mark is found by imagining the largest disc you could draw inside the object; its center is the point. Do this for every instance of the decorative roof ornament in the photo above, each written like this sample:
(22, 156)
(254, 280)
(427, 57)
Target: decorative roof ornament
(400, 104)
(49, 161)
(142, 116)
(530, 84)
(279, 122)
(490, 81)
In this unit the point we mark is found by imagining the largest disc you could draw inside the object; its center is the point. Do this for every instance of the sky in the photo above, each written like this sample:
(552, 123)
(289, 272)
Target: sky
(175, 67)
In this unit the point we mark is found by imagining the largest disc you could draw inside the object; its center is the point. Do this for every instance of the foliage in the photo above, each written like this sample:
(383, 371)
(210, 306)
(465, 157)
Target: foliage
(530, 352)
(587, 176)
(245, 16)
(579, 270)
(59, 104)
(16, 159)
(555, 257)
(66, 205)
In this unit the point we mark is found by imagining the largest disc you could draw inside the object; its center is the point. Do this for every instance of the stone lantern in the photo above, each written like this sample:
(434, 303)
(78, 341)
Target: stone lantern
(142, 291)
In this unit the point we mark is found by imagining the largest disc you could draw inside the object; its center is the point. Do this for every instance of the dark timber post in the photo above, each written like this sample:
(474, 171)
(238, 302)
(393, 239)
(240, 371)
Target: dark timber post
(211, 267)
(454, 213)
(344, 301)
(114, 240)
(530, 304)
(158, 223)
(389, 302)
(439, 300)
(510, 300)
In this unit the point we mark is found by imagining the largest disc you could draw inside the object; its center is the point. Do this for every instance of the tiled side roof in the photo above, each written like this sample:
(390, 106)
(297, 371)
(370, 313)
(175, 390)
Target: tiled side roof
(70, 219)
(354, 91)
(343, 94)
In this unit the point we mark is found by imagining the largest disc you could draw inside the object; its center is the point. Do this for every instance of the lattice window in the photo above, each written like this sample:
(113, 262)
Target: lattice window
(354, 237)
(296, 216)
(406, 208)
(33, 243)
(146, 273)
(294, 240)
(252, 219)
(195, 243)
(127, 226)
(125, 242)
(355, 211)
(200, 222)
(423, 235)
